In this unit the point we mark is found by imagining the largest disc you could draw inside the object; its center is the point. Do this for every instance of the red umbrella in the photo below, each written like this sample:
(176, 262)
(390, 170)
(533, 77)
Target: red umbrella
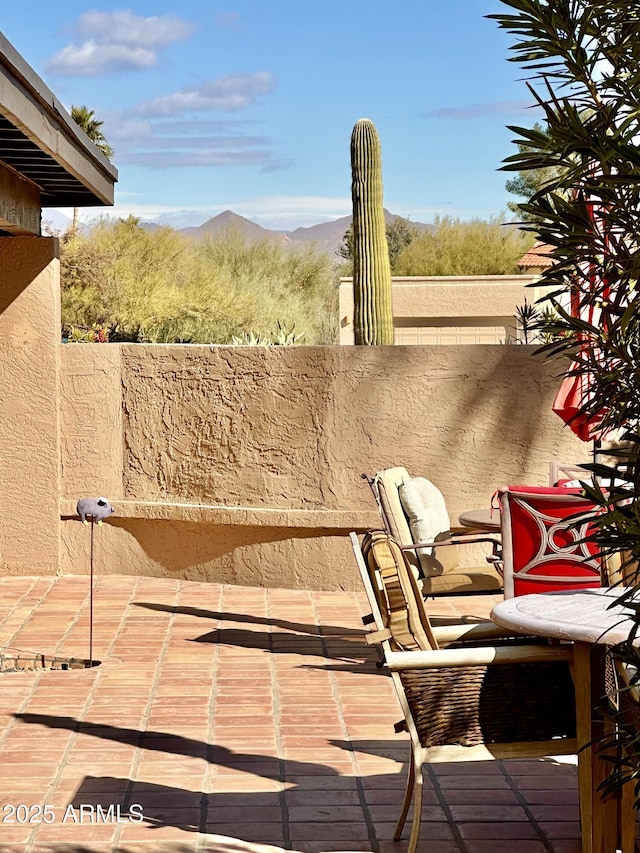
(568, 403)
(573, 394)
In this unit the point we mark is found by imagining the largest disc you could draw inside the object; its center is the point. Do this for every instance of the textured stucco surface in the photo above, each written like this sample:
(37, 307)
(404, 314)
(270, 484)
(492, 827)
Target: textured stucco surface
(91, 421)
(490, 300)
(293, 429)
(29, 393)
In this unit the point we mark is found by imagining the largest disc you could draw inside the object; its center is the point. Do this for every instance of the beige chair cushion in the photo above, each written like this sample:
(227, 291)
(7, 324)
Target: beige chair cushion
(425, 509)
(388, 482)
(445, 574)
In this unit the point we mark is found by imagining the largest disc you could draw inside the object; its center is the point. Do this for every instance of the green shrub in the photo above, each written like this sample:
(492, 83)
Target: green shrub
(159, 286)
(454, 247)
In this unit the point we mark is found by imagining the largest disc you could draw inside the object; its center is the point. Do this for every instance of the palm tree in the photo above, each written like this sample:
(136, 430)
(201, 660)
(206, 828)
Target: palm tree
(87, 121)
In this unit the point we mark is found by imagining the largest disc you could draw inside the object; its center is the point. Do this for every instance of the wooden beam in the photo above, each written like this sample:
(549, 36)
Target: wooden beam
(19, 204)
(30, 106)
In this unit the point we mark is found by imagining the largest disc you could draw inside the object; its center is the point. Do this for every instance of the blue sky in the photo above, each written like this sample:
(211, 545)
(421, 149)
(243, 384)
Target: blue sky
(249, 105)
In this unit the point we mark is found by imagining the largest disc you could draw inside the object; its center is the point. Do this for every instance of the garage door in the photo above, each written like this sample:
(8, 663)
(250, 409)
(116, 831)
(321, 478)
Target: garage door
(438, 335)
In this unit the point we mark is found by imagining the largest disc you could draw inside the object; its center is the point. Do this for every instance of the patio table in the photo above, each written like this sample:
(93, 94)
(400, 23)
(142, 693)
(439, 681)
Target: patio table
(481, 519)
(587, 618)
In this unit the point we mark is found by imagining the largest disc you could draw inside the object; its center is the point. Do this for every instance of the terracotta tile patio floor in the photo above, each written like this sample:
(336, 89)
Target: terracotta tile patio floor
(231, 718)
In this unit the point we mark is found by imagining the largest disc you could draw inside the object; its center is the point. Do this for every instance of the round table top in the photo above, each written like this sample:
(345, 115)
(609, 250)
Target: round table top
(481, 519)
(582, 615)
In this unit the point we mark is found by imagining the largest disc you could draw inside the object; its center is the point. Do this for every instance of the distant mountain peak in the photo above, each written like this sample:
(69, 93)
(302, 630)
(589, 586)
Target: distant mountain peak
(327, 236)
(227, 221)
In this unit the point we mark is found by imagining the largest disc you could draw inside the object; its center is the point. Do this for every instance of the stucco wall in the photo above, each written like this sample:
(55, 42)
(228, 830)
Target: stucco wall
(485, 300)
(29, 428)
(289, 428)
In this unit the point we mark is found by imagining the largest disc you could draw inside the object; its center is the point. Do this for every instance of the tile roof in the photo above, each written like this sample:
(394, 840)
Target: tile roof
(539, 255)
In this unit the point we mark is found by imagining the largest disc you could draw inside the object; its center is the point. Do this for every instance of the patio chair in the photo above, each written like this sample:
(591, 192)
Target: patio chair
(543, 547)
(468, 693)
(562, 474)
(413, 511)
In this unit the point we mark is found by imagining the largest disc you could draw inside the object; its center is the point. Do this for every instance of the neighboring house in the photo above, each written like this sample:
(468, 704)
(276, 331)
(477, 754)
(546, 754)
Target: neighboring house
(450, 309)
(45, 160)
(457, 309)
(536, 260)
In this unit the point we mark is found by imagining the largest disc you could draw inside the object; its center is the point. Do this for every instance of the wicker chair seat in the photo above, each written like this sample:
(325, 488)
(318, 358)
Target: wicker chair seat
(488, 705)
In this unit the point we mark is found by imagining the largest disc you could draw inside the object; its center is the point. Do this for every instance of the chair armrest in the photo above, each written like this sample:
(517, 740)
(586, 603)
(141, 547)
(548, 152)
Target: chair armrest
(483, 656)
(463, 538)
(474, 531)
(469, 539)
(470, 631)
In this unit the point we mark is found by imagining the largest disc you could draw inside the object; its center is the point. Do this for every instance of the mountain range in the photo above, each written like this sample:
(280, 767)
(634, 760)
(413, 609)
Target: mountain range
(327, 236)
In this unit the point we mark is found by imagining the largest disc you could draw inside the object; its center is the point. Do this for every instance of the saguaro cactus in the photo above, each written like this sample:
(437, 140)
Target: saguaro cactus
(373, 316)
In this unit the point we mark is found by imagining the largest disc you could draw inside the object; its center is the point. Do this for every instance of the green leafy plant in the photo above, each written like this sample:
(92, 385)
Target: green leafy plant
(87, 121)
(476, 247)
(528, 317)
(82, 334)
(285, 336)
(400, 233)
(536, 323)
(528, 182)
(282, 336)
(582, 58)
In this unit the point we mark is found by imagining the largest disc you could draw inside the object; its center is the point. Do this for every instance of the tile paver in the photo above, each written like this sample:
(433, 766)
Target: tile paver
(235, 719)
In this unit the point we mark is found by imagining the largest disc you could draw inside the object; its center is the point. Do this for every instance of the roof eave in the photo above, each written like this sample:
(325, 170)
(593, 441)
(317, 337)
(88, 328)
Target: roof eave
(33, 109)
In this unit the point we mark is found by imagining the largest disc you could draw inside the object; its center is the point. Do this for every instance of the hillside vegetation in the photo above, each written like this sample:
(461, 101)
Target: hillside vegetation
(124, 282)
(454, 247)
(121, 281)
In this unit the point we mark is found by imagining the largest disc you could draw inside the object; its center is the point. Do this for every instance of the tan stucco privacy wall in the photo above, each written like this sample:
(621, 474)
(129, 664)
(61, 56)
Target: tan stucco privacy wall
(30, 460)
(240, 464)
(431, 301)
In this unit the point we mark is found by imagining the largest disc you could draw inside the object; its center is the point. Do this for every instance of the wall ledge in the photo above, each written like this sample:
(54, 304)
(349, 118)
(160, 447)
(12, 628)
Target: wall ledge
(324, 519)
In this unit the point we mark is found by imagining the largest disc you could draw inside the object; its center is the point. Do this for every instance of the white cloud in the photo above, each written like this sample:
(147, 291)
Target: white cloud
(205, 158)
(279, 212)
(115, 42)
(282, 212)
(120, 128)
(287, 212)
(92, 60)
(319, 207)
(123, 27)
(473, 111)
(174, 143)
(227, 94)
(229, 20)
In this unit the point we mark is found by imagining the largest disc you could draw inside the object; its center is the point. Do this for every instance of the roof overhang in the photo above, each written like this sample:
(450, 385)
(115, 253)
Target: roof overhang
(42, 150)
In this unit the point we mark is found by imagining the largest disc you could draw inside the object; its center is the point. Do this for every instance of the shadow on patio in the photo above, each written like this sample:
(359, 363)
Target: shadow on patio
(244, 737)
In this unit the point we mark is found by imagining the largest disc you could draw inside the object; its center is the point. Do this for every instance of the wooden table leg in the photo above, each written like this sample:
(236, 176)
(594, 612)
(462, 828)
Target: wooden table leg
(582, 679)
(628, 819)
(598, 818)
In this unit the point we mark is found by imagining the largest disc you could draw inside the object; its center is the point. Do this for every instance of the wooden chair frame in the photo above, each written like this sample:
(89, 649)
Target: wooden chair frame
(436, 655)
